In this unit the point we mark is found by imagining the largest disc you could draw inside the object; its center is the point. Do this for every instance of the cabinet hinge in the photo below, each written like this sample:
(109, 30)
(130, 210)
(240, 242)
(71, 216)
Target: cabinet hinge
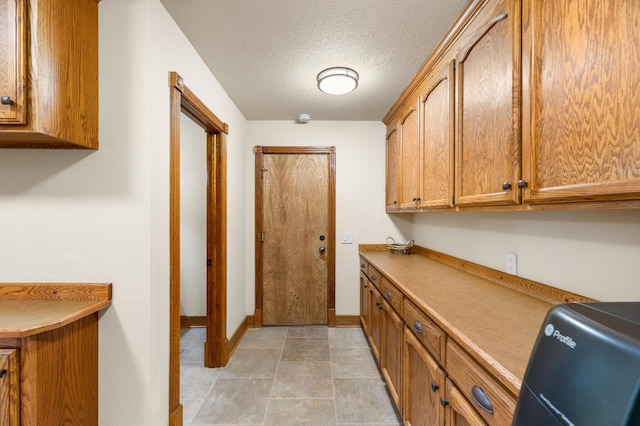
(262, 237)
(453, 200)
(454, 65)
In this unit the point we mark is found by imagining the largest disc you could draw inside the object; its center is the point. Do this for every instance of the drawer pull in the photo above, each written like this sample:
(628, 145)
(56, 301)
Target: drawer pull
(3, 372)
(373, 277)
(481, 399)
(443, 401)
(434, 387)
(417, 326)
(389, 295)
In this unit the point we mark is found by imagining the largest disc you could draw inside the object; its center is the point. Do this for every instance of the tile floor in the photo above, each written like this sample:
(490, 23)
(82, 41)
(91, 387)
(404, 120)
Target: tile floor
(282, 376)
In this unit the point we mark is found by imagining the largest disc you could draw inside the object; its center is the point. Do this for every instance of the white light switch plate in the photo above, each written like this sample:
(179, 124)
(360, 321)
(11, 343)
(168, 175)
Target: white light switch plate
(347, 238)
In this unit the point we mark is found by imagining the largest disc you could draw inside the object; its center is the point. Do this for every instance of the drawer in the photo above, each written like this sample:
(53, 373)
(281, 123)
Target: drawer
(492, 401)
(391, 294)
(374, 276)
(429, 334)
(364, 266)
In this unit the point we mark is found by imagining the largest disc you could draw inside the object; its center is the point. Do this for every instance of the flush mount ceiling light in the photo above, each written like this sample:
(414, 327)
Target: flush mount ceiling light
(337, 80)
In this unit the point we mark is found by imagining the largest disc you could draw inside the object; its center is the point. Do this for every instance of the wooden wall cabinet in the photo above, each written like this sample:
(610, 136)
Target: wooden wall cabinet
(546, 110)
(581, 104)
(488, 107)
(393, 168)
(410, 153)
(437, 138)
(49, 74)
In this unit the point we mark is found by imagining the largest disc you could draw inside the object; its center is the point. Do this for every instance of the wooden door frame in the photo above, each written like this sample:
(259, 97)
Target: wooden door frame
(259, 151)
(183, 100)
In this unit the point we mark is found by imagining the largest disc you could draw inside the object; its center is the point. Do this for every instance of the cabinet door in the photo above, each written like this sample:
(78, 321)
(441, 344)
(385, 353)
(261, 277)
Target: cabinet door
(375, 321)
(12, 63)
(9, 388)
(393, 168)
(391, 357)
(488, 107)
(459, 411)
(423, 385)
(410, 145)
(437, 140)
(364, 302)
(581, 103)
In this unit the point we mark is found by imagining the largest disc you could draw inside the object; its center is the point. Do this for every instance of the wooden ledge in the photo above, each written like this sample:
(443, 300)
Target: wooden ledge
(31, 308)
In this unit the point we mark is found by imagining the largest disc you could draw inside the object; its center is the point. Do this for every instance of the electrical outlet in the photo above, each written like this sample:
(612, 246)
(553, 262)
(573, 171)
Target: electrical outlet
(512, 263)
(347, 238)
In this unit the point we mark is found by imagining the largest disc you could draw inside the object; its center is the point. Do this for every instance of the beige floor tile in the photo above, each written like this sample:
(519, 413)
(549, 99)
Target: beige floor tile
(252, 363)
(303, 379)
(309, 332)
(264, 338)
(301, 412)
(235, 401)
(353, 363)
(347, 338)
(305, 349)
(363, 401)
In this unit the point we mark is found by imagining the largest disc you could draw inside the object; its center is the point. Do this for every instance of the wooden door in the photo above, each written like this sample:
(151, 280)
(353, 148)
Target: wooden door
(437, 140)
(488, 107)
(581, 104)
(296, 235)
(12, 65)
(423, 385)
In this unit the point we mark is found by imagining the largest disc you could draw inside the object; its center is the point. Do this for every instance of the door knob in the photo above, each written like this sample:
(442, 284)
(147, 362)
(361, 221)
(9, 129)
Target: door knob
(322, 249)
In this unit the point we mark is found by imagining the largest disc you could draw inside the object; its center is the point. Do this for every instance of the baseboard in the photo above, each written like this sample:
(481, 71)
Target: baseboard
(190, 322)
(347, 321)
(233, 342)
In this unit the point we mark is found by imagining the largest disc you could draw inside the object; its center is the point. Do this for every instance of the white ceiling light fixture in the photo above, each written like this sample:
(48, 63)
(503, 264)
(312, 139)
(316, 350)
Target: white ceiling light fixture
(337, 80)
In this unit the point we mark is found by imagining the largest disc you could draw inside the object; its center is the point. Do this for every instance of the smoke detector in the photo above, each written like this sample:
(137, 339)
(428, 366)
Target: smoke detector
(304, 118)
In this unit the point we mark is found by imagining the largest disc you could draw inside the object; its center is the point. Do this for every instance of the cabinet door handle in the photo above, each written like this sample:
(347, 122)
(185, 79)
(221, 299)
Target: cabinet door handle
(3, 373)
(522, 183)
(443, 401)
(417, 326)
(373, 277)
(389, 295)
(434, 386)
(6, 100)
(506, 185)
(481, 399)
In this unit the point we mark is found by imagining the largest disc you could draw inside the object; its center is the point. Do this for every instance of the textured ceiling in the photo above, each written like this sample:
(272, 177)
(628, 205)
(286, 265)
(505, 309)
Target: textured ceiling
(266, 54)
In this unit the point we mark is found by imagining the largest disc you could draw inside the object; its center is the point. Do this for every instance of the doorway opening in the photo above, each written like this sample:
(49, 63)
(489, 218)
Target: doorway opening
(295, 235)
(184, 101)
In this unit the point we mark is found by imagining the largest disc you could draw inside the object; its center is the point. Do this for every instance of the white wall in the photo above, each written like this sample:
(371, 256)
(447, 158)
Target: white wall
(593, 253)
(193, 218)
(360, 159)
(102, 216)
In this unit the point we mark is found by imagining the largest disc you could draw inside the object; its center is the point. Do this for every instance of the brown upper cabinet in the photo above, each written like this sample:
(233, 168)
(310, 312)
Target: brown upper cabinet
(488, 107)
(393, 168)
(410, 155)
(437, 113)
(49, 74)
(542, 106)
(581, 100)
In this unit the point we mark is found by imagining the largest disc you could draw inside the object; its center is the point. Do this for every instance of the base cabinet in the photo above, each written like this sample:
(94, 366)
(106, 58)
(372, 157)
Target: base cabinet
(391, 356)
(459, 410)
(57, 371)
(423, 385)
(9, 388)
